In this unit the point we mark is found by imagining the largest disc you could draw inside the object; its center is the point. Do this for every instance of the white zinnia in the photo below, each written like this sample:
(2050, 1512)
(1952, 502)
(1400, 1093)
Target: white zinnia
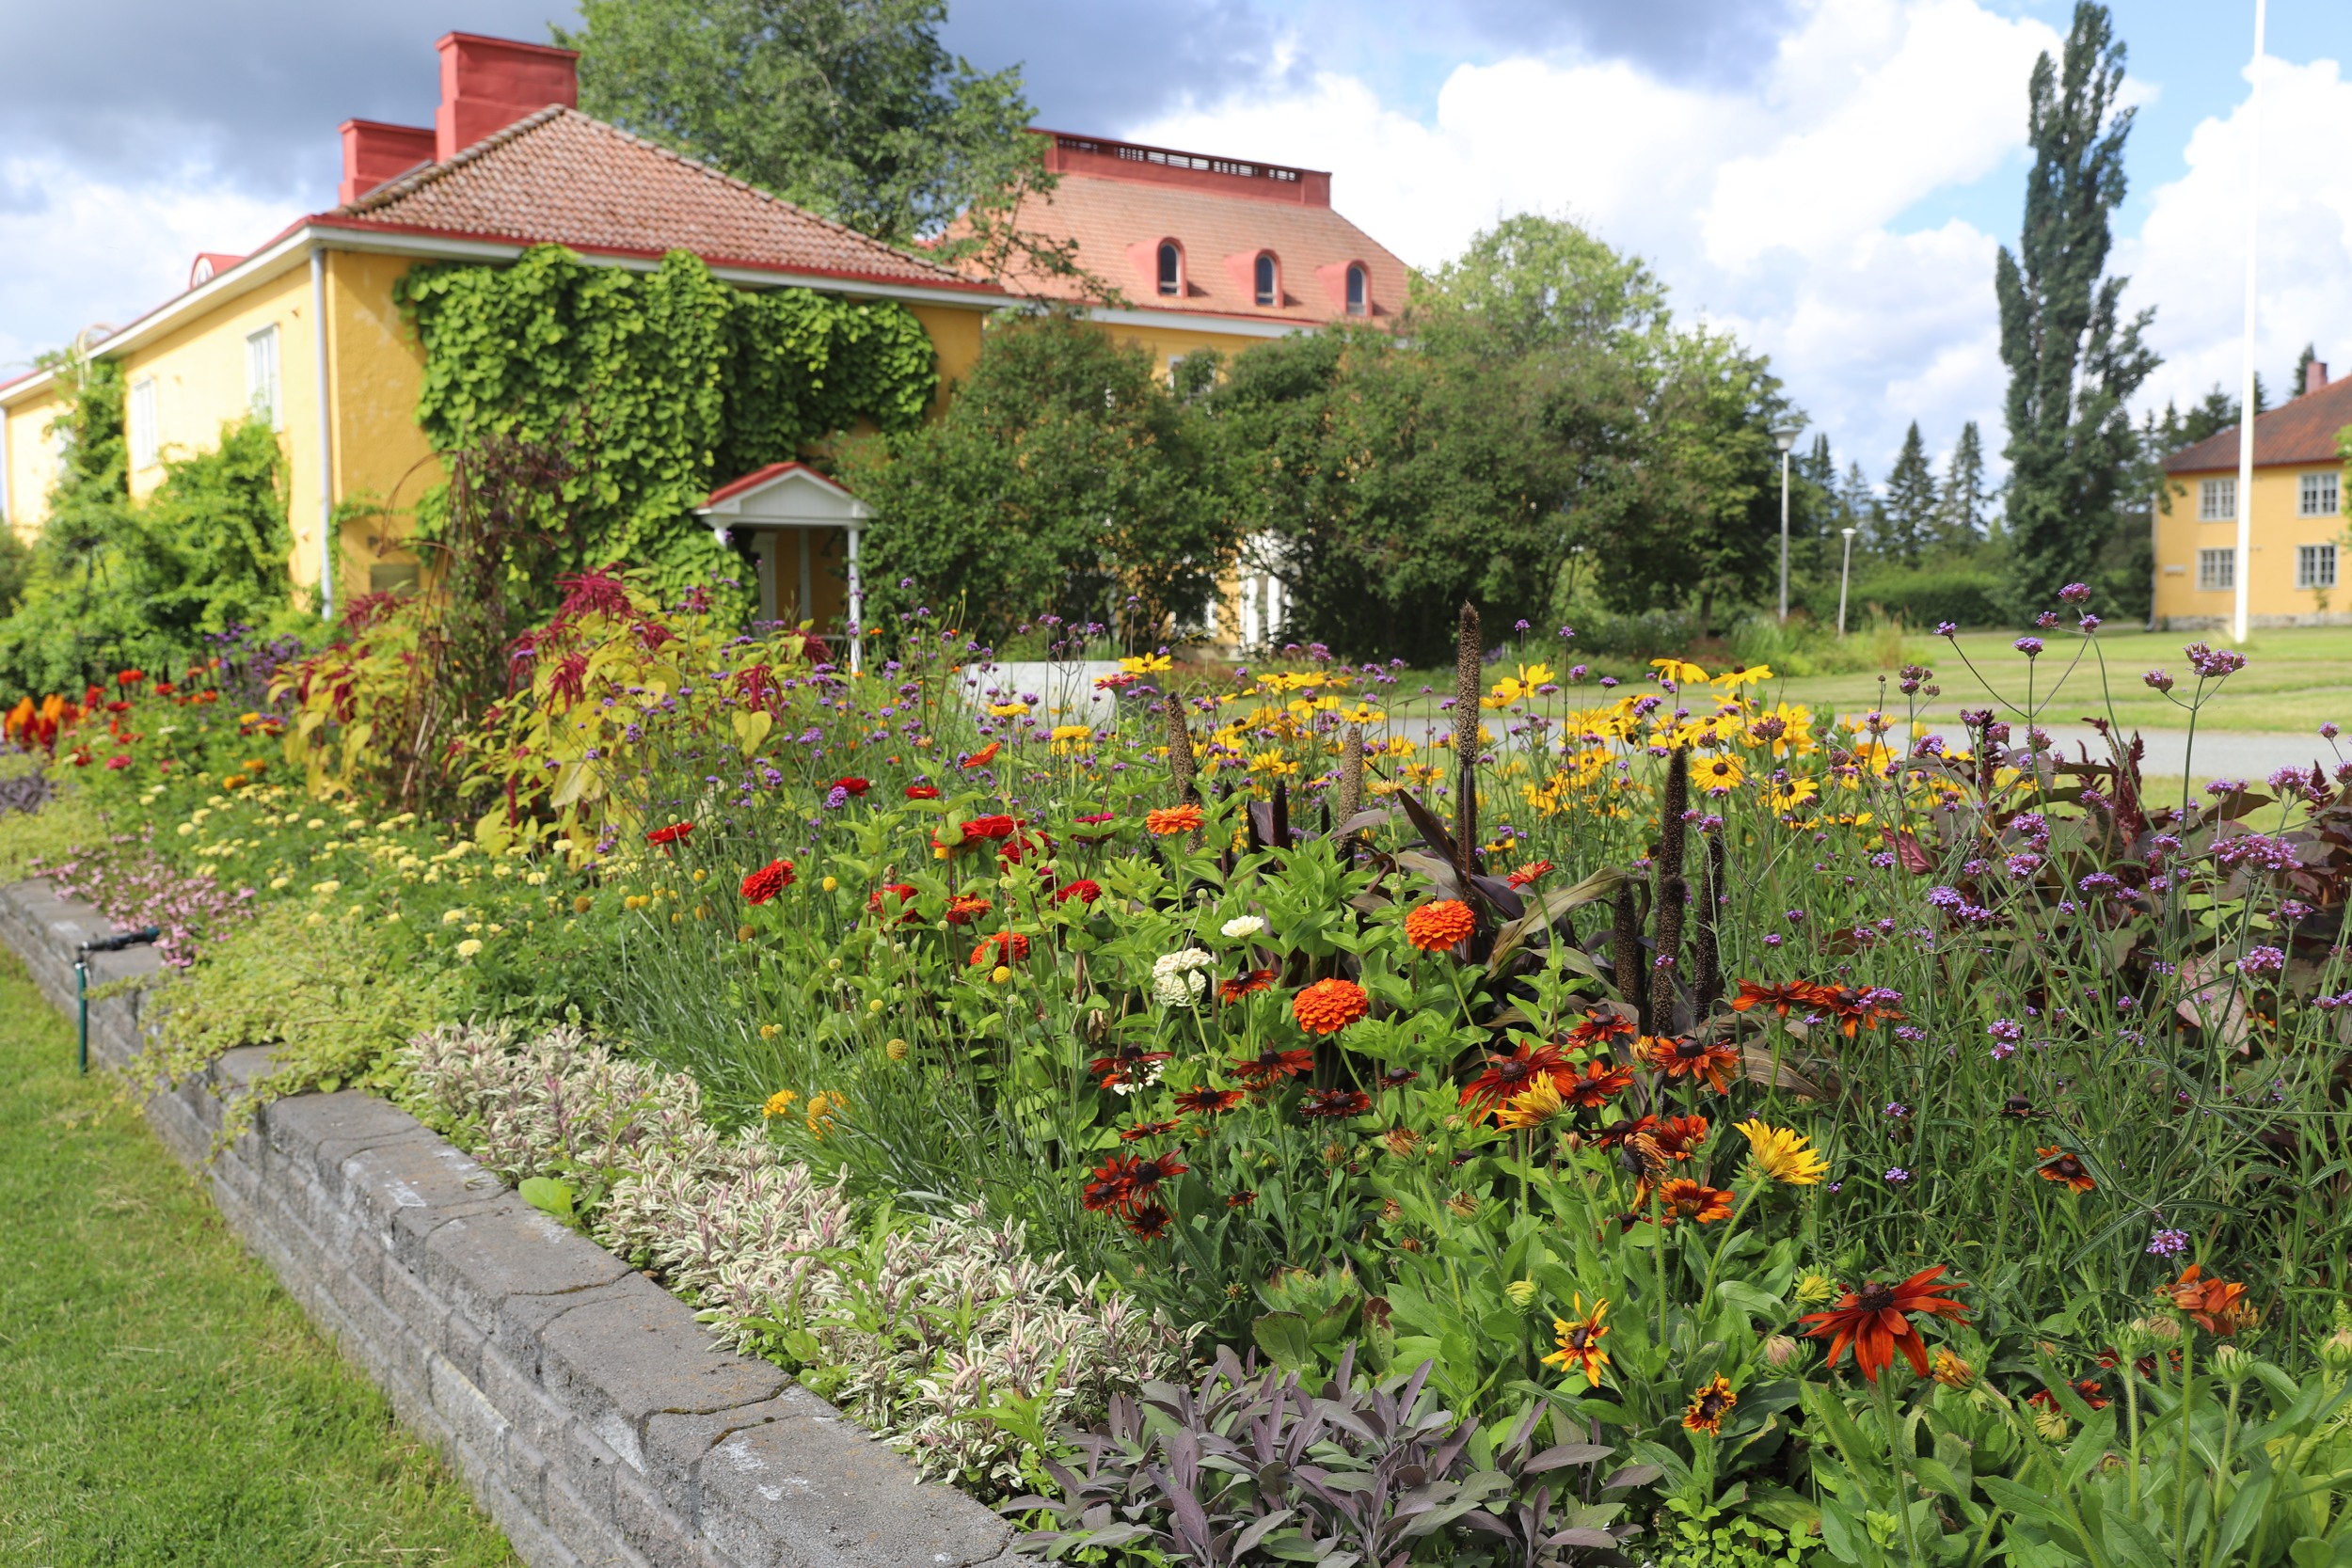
(1242, 926)
(1177, 979)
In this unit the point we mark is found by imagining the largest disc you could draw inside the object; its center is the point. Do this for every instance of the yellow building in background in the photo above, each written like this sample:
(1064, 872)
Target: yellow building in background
(2297, 521)
(304, 331)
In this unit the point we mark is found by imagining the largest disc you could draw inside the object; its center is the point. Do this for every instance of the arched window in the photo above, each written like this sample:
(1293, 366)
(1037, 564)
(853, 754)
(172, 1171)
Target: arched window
(1269, 290)
(1358, 289)
(1171, 268)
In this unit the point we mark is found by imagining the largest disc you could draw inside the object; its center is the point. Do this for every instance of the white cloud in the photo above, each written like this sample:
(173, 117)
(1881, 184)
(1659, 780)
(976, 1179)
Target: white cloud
(1772, 209)
(2189, 257)
(71, 241)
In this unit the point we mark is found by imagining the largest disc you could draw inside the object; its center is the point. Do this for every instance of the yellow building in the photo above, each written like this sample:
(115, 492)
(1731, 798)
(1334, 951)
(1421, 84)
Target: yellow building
(2297, 521)
(305, 332)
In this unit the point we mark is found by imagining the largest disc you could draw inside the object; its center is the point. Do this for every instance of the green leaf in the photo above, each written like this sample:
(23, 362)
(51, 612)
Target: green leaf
(1284, 1338)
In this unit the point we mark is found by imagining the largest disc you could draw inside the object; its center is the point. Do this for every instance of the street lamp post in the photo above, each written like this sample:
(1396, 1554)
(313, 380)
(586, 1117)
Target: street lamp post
(1845, 575)
(2239, 619)
(1784, 437)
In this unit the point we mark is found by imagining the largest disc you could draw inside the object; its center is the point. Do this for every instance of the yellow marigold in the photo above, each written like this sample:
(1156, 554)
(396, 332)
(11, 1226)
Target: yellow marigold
(1435, 926)
(1328, 1006)
(1783, 1155)
(1172, 819)
(778, 1103)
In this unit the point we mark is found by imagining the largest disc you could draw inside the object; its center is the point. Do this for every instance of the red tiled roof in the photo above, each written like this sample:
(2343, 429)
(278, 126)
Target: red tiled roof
(759, 478)
(560, 177)
(1119, 224)
(2303, 431)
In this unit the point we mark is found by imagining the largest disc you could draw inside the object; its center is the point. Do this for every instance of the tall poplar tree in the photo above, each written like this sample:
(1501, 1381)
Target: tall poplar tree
(2074, 359)
(1959, 505)
(1906, 522)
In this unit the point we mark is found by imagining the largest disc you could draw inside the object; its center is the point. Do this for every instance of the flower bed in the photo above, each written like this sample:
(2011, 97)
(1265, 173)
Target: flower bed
(1858, 1135)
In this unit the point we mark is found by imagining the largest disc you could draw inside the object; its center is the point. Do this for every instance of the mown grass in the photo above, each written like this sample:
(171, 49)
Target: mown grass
(162, 1400)
(2296, 679)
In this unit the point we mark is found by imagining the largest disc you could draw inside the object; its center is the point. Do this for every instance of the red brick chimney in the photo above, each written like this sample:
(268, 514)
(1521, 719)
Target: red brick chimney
(489, 84)
(375, 153)
(2315, 376)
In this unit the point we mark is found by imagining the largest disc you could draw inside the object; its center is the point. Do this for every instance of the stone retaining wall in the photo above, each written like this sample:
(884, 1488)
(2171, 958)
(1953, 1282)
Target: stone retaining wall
(588, 1411)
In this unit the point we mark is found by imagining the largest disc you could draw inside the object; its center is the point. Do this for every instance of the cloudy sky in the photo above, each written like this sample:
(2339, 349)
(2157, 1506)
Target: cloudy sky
(1828, 178)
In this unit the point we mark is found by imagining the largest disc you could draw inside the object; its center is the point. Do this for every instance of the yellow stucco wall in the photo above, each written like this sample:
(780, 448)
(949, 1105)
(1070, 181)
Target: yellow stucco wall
(1175, 341)
(2272, 597)
(32, 462)
(198, 372)
(375, 368)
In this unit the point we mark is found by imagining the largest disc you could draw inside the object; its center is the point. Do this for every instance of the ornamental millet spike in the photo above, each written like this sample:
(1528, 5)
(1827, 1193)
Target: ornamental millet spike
(1707, 960)
(1671, 891)
(1181, 766)
(1625, 955)
(1351, 779)
(1470, 663)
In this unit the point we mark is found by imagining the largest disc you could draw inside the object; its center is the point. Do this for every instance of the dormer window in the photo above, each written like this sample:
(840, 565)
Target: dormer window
(1171, 268)
(1358, 289)
(1268, 280)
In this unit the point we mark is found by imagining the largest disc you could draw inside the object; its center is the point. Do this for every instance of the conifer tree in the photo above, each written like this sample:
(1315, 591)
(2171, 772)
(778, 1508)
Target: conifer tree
(1906, 522)
(1858, 504)
(1960, 505)
(2303, 362)
(2074, 359)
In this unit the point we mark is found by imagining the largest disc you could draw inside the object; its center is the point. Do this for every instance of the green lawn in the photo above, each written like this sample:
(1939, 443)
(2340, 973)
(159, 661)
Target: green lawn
(2295, 678)
(162, 1400)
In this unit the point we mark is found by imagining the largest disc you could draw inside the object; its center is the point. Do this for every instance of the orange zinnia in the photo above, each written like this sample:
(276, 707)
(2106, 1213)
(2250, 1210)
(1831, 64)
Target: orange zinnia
(982, 757)
(1172, 819)
(1876, 1320)
(1328, 1006)
(2218, 1305)
(1685, 1199)
(2058, 1165)
(1434, 927)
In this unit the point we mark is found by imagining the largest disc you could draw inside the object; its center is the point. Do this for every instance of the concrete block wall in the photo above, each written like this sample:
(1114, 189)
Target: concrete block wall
(587, 1410)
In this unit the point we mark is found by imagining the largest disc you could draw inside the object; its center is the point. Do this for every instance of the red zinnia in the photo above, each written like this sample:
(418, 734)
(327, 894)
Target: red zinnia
(922, 792)
(1083, 889)
(130, 677)
(676, 832)
(902, 892)
(1528, 873)
(982, 757)
(854, 786)
(965, 908)
(766, 882)
(1876, 1320)
(1010, 947)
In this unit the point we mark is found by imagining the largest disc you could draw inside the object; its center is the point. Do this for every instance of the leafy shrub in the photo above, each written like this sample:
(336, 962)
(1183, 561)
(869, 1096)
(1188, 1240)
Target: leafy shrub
(1928, 598)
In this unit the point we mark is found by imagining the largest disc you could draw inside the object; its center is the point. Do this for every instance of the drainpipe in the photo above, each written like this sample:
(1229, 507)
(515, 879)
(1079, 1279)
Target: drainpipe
(857, 609)
(326, 437)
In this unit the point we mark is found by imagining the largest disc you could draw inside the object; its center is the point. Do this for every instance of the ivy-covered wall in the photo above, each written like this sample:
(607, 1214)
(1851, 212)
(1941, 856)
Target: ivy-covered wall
(665, 383)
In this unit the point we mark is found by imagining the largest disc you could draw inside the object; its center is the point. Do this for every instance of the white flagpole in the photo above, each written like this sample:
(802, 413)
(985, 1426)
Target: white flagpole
(2239, 623)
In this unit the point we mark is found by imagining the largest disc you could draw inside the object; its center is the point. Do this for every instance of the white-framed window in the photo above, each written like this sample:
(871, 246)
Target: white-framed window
(261, 376)
(1267, 279)
(139, 414)
(2217, 570)
(1173, 360)
(2319, 495)
(2217, 500)
(2315, 566)
(1172, 273)
(1358, 289)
